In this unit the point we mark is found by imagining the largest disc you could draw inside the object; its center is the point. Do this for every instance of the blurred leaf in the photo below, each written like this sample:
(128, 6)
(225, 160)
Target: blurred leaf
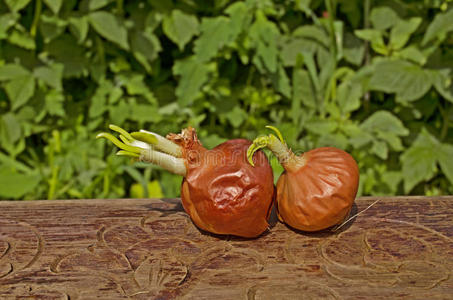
(290, 132)
(358, 137)
(333, 140)
(171, 184)
(419, 161)
(12, 71)
(54, 5)
(413, 54)
(16, 5)
(193, 76)
(339, 37)
(293, 48)
(383, 17)
(169, 109)
(145, 113)
(51, 75)
(66, 51)
(51, 27)
(54, 103)
(108, 26)
(392, 179)
(10, 127)
(236, 116)
(20, 90)
(391, 139)
(22, 39)
(408, 81)
(6, 22)
(384, 121)
(349, 94)
(120, 112)
(282, 82)
(240, 17)
(212, 141)
(349, 8)
(375, 37)
(382, 129)
(10, 162)
(380, 149)
(121, 66)
(312, 32)
(154, 190)
(439, 27)
(14, 185)
(215, 33)
(302, 88)
(321, 127)
(371, 35)
(96, 4)
(443, 83)
(145, 47)
(401, 32)
(303, 5)
(99, 99)
(445, 156)
(353, 49)
(315, 78)
(180, 28)
(153, 19)
(134, 84)
(264, 34)
(79, 27)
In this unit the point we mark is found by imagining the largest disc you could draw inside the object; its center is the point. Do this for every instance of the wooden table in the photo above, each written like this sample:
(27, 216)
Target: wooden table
(401, 248)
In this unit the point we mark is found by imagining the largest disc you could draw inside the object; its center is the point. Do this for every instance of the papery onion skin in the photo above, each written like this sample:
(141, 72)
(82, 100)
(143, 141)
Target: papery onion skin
(321, 192)
(222, 192)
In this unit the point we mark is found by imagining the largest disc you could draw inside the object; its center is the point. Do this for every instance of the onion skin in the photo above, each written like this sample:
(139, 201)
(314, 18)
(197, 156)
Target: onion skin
(222, 192)
(319, 193)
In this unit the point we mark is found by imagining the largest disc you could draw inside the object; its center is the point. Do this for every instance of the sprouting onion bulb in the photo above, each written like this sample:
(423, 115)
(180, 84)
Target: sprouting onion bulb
(317, 189)
(221, 191)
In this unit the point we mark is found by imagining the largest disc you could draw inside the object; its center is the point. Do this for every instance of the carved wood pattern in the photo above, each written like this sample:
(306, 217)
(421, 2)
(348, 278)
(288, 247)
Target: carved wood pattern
(149, 249)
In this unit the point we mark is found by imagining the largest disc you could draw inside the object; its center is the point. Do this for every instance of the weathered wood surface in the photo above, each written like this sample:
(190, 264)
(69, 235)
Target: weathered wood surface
(401, 248)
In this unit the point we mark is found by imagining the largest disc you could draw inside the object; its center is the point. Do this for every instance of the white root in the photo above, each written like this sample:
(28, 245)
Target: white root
(285, 156)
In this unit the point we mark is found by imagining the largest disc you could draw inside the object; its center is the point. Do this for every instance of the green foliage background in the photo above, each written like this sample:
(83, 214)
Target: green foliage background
(371, 77)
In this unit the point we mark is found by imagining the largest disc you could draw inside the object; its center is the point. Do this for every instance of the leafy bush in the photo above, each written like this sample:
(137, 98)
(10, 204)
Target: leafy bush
(371, 77)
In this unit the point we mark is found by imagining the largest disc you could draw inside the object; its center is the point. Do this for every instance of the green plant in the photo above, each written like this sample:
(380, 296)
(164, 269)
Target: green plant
(370, 77)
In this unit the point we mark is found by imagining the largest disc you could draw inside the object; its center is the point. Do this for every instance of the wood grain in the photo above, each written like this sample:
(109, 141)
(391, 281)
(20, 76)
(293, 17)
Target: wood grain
(401, 248)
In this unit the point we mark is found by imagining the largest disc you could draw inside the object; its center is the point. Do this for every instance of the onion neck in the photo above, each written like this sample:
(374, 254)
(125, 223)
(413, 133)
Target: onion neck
(285, 156)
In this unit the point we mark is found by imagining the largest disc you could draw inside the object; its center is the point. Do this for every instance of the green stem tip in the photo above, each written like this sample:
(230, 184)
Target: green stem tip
(145, 137)
(121, 131)
(258, 143)
(145, 146)
(119, 143)
(279, 134)
(276, 145)
(126, 142)
(127, 153)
